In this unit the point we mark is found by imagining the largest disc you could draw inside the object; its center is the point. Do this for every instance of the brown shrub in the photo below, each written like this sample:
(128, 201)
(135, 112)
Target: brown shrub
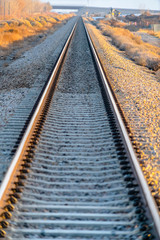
(114, 23)
(142, 53)
(18, 29)
(9, 37)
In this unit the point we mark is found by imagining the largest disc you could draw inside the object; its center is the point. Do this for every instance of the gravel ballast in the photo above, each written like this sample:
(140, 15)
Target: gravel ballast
(21, 83)
(75, 188)
(137, 90)
(30, 70)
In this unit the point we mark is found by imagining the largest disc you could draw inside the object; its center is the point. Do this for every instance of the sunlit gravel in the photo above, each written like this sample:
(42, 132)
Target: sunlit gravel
(138, 92)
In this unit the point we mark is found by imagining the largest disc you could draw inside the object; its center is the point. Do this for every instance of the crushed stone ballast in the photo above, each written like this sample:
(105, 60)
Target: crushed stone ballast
(72, 176)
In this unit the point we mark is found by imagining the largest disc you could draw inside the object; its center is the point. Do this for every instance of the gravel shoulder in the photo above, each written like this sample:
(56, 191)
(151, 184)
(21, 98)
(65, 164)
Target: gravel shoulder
(137, 90)
(36, 58)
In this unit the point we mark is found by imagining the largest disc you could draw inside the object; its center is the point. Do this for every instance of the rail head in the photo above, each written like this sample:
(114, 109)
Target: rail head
(134, 161)
(11, 174)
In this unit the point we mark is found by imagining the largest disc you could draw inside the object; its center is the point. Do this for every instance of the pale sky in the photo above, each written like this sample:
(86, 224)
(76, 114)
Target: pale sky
(136, 4)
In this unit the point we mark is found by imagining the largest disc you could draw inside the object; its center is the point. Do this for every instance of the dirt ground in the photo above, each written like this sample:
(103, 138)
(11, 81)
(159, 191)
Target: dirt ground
(149, 39)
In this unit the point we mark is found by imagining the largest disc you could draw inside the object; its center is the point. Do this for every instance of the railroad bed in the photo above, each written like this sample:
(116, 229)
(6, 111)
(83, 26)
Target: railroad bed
(76, 180)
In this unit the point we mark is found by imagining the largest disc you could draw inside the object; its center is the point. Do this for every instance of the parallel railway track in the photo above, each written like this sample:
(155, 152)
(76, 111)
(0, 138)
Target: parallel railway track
(75, 174)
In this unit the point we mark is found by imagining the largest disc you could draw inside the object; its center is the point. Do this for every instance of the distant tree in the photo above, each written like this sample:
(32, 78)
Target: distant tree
(22, 7)
(47, 7)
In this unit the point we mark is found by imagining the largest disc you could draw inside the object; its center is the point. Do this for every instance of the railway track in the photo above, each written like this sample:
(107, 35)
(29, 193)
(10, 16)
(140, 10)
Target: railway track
(75, 175)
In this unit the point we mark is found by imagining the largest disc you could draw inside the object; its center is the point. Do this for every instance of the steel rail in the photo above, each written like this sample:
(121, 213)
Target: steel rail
(8, 181)
(14, 169)
(140, 177)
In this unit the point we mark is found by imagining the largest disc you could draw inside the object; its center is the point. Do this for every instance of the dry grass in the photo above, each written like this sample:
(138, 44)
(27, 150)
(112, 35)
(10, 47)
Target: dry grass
(157, 34)
(18, 29)
(148, 31)
(114, 23)
(142, 53)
